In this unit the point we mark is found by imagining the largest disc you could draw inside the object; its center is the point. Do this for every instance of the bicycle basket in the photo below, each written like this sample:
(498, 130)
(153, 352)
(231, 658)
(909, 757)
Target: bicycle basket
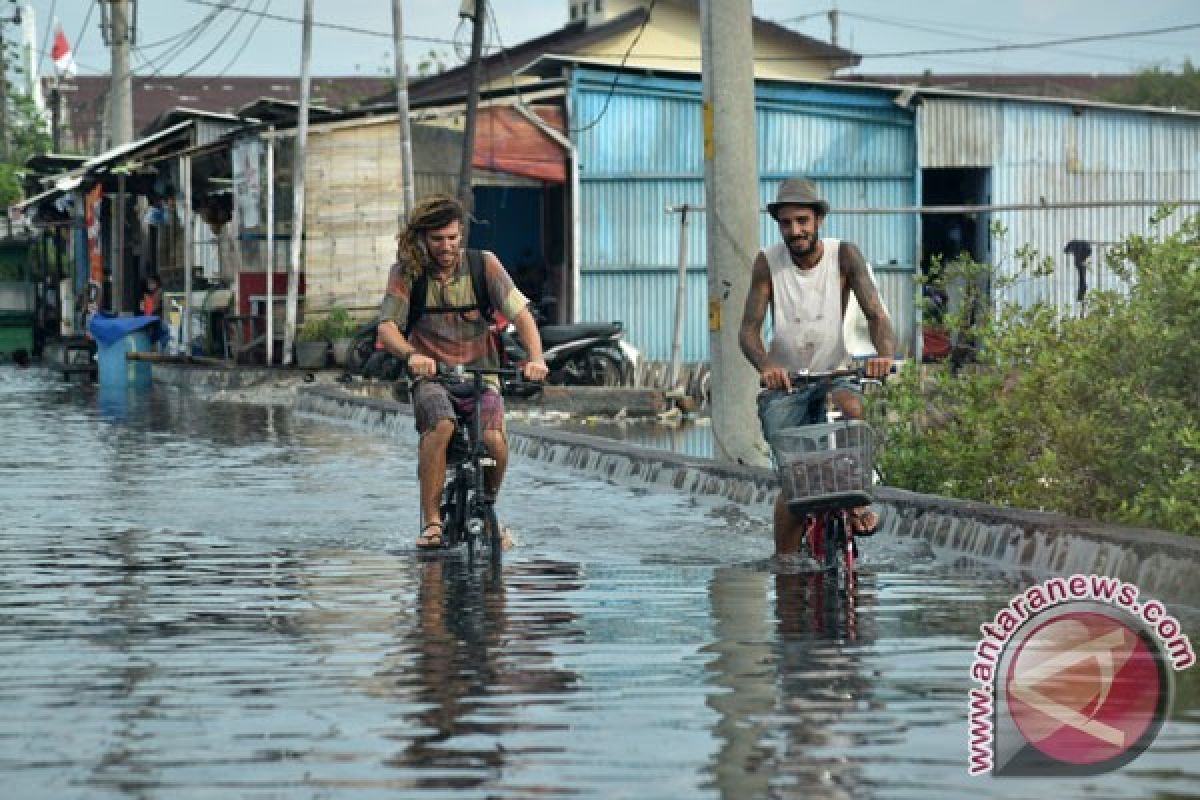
(825, 466)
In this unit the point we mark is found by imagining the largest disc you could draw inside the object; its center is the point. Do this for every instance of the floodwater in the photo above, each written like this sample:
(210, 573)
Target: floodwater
(218, 600)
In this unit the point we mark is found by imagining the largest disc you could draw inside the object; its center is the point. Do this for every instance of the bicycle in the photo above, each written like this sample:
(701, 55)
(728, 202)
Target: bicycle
(826, 470)
(467, 508)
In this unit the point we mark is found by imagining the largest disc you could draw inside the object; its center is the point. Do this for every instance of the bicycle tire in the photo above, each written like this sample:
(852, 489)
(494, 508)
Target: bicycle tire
(454, 512)
(491, 532)
(834, 535)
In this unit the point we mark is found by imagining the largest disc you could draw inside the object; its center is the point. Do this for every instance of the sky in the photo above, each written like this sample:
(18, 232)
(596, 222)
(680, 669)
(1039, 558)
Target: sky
(240, 41)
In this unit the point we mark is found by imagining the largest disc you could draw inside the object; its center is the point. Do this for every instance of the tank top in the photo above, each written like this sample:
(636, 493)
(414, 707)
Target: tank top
(806, 310)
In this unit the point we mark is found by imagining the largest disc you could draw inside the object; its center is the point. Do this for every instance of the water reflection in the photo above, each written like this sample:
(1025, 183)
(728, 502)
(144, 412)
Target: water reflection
(791, 672)
(481, 670)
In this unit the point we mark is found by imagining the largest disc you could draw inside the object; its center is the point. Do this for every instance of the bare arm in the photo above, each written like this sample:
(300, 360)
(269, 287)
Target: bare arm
(535, 368)
(758, 300)
(397, 344)
(858, 278)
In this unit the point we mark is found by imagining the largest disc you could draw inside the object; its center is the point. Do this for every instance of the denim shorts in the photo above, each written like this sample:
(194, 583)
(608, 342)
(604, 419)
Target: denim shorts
(778, 409)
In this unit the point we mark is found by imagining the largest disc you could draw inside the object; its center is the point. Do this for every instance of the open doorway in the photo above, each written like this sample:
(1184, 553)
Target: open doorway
(508, 220)
(946, 237)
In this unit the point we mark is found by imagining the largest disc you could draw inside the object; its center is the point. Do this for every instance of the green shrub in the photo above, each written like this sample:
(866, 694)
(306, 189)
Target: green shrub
(1094, 416)
(339, 324)
(314, 329)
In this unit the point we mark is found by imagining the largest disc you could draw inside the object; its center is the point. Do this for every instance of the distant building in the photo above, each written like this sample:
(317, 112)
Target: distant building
(85, 100)
(604, 32)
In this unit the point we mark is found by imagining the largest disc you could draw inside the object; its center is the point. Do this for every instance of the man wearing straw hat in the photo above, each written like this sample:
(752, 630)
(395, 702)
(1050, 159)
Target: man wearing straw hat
(806, 282)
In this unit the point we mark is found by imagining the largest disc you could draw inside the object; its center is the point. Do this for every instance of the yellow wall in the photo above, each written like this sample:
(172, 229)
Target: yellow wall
(672, 41)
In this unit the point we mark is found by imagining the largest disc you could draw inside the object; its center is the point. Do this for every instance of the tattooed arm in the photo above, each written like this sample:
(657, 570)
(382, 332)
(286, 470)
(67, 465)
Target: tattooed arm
(858, 279)
(758, 300)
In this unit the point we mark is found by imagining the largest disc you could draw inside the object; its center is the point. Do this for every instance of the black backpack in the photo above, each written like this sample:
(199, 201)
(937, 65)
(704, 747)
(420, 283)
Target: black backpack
(420, 287)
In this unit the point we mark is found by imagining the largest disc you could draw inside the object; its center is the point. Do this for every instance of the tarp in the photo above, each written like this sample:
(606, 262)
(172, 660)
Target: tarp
(107, 329)
(505, 141)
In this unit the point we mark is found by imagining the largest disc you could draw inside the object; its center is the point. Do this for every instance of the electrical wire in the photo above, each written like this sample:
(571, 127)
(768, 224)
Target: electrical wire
(220, 43)
(245, 44)
(160, 62)
(46, 38)
(999, 48)
(617, 76)
(333, 26)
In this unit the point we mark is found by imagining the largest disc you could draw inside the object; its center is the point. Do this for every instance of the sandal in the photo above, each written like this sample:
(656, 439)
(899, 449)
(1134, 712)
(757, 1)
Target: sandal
(864, 521)
(430, 540)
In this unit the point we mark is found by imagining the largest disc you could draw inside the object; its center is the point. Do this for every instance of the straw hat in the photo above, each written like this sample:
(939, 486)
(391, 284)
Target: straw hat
(798, 192)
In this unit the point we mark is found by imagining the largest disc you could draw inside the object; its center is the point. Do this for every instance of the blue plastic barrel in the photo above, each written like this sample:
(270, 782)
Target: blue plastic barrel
(115, 337)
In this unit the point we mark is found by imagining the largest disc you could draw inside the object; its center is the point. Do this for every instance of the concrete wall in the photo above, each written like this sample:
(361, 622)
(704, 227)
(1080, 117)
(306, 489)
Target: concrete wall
(1162, 565)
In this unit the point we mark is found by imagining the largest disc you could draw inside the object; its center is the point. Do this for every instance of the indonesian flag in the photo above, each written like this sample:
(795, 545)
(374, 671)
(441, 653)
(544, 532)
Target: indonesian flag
(64, 62)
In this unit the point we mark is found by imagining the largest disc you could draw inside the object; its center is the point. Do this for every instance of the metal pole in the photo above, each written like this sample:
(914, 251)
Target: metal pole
(299, 149)
(4, 144)
(270, 260)
(731, 191)
(120, 91)
(407, 198)
(118, 262)
(468, 154)
(185, 325)
(56, 117)
(680, 298)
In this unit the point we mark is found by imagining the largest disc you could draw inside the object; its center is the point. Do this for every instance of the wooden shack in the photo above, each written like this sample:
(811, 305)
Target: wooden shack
(352, 204)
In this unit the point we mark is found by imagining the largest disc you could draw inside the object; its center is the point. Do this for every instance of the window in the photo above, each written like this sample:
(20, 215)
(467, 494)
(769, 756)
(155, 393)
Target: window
(574, 12)
(599, 6)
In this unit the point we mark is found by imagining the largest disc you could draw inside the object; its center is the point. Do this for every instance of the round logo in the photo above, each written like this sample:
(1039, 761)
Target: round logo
(1086, 688)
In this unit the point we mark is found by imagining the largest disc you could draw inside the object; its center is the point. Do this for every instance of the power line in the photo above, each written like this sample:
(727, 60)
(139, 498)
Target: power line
(249, 36)
(941, 31)
(220, 43)
(333, 26)
(193, 34)
(1005, 47)
(46, 38)
(617, 77)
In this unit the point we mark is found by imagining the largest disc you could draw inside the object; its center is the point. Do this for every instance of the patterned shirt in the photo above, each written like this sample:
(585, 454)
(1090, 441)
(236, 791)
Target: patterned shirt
(457, 337)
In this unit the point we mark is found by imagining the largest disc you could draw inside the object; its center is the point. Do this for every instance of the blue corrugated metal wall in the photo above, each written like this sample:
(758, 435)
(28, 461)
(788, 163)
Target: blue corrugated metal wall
(1060, 153)
(645, 152)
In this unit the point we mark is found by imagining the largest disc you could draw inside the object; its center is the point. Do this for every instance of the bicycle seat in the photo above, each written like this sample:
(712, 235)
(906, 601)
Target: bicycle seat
(554, 335)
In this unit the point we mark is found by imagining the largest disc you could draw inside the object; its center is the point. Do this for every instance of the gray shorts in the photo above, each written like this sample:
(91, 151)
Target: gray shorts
(432, 402)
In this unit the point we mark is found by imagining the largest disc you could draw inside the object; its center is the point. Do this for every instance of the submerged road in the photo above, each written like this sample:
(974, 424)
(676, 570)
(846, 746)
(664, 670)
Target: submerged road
(203, 600)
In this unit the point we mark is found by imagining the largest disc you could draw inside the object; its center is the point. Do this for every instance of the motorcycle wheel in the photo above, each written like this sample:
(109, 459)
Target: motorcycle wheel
(598, 368)
(360, 352)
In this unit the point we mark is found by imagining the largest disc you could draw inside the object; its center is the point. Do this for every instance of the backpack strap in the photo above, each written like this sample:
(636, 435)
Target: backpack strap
(483, 298)
(416, 302)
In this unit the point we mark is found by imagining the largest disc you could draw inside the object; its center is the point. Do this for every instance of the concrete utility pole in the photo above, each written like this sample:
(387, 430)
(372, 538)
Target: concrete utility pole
(299, 148)
(120, 93)
(407, 199)
(468, 155)
(731, 196)
(4, 145)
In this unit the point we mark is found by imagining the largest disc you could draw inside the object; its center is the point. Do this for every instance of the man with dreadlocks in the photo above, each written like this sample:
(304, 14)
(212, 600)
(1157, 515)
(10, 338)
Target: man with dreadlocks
(451, 327)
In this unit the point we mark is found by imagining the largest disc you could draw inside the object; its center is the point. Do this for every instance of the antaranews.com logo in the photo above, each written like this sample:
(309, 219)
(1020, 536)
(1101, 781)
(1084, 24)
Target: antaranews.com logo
(1075, 678)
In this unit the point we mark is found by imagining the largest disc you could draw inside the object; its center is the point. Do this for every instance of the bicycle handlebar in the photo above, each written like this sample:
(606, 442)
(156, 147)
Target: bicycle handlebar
(859, 373)
(513, 381)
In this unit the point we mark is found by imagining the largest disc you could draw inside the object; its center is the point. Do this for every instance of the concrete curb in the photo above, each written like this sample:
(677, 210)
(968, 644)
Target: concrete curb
(1163, 565)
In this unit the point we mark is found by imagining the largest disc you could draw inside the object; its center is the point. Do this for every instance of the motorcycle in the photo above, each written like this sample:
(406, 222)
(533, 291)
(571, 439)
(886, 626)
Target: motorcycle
(585, 354)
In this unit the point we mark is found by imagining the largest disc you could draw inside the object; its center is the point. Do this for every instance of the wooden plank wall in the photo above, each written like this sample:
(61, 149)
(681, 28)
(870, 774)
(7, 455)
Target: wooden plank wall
(352, 206)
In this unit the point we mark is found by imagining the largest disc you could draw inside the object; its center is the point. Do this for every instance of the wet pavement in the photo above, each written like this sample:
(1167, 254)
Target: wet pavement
(203, 600)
